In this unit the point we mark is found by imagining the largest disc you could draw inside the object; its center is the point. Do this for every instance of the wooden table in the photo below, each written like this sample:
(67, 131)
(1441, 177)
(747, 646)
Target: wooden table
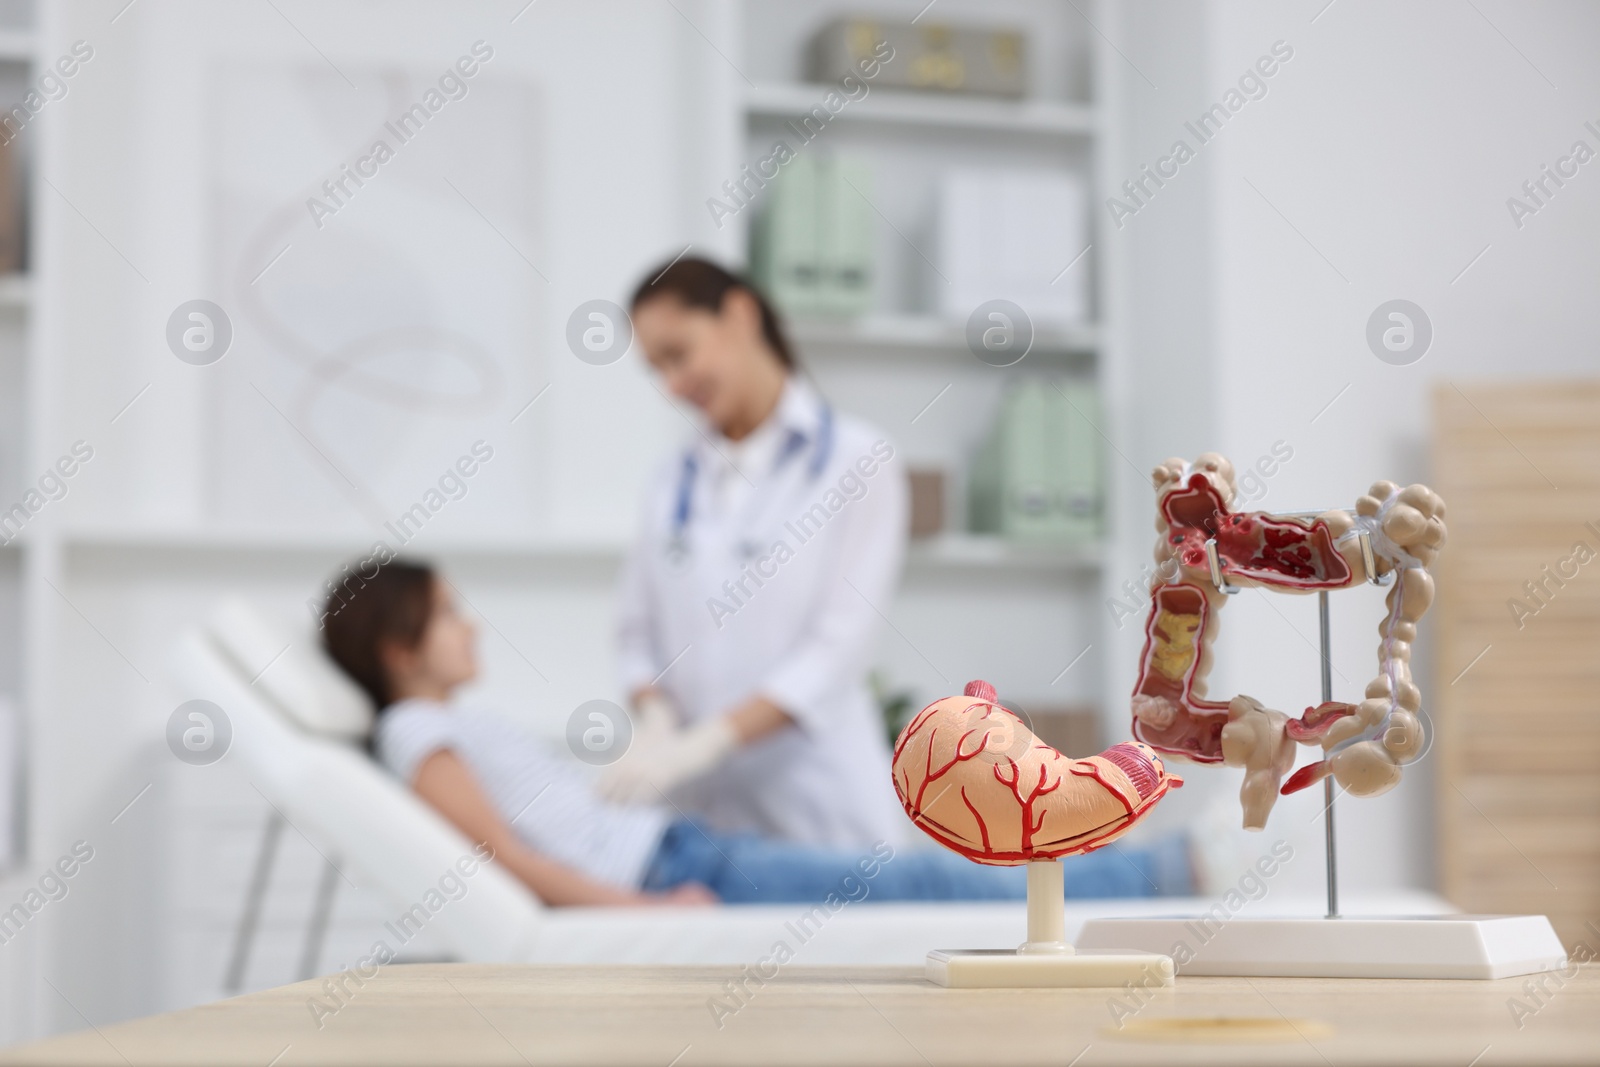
(661, 1016)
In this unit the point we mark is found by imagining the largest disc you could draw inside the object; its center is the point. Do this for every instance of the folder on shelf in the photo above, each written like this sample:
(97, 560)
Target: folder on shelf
(1078, 492)
(812, 246)
(1011, 480)
(784, 240)
(1008, 234)
(847, 231)
(1037, 475)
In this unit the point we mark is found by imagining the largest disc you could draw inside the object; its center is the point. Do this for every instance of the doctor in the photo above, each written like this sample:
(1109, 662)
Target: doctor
(771, 546)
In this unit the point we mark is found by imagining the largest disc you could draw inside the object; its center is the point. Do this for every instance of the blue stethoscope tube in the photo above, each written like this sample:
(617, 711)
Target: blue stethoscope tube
(683, 508)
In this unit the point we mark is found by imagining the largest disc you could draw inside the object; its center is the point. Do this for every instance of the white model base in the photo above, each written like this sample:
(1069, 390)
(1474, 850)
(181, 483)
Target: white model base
(1009, 969)
(1443, 946)
(1047, 959)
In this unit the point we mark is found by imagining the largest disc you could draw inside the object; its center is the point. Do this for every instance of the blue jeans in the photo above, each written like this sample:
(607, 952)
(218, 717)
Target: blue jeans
(749, 869)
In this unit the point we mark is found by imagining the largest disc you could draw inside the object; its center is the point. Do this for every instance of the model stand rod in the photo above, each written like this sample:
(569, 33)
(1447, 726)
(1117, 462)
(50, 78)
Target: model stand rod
(1327, 783)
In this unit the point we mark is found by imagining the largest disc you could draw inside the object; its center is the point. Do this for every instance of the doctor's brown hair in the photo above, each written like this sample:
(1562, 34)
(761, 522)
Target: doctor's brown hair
(392, 607)
(700, 283)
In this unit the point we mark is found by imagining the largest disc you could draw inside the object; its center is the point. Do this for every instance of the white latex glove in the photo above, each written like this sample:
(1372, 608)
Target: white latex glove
(654, 718)
(657, 762)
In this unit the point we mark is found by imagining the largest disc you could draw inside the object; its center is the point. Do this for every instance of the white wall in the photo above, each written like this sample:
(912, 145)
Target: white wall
(1391, 142)
(135, 148)
(602, 202)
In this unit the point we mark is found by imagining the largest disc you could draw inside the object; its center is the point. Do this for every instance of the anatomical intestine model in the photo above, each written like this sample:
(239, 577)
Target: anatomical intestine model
(1392, 536)
(973, 777)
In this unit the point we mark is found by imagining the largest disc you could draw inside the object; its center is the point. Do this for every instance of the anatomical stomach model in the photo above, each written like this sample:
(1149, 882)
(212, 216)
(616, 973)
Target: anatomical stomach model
(1391, 537)
(973, 777)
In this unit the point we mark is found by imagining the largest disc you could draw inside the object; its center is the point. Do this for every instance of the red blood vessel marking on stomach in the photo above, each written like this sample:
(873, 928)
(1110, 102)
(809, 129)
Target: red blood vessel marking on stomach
(1032, 821)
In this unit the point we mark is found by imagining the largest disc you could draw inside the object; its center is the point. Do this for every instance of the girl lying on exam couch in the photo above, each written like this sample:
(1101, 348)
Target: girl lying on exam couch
(403, 641)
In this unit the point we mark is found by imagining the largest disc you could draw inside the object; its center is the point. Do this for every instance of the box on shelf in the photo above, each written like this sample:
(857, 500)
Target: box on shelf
(933, 56)
(1037, 475)
(11, 225)
(1008, 234)
(812, 245)
(927, 501)
(10, 783)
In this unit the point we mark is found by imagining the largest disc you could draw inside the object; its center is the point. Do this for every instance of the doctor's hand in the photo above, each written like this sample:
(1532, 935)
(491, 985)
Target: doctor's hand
(659, 760)
(653, 713)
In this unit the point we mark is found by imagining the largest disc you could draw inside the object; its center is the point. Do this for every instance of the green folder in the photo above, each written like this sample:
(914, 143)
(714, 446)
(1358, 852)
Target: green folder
(847, 230)
(1078, 493)
(1012, 484)
(1037, 475)
(811, 249)
(786, 239)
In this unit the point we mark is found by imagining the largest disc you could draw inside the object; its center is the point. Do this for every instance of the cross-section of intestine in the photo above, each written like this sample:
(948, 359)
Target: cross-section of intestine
(972, 775)
(1366, 743)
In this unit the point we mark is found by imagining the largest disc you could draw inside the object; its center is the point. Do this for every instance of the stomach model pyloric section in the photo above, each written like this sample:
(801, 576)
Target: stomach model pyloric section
(1365, 744)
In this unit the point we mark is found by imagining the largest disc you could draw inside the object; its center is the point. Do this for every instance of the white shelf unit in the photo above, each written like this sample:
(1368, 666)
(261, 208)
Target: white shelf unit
(890, 334)
(953, 552)
(244, 542)
(18, 567)
(947, 111)
(23, 569)
(902, 365)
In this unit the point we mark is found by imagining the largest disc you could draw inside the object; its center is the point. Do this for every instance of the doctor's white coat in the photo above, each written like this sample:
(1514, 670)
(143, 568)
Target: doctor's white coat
(778, 585)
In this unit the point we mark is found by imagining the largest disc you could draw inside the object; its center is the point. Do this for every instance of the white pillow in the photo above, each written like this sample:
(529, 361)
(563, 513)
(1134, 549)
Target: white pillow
(290, 669)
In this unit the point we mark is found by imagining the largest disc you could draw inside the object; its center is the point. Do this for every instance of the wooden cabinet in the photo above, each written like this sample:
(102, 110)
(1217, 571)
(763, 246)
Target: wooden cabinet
(1518, 706)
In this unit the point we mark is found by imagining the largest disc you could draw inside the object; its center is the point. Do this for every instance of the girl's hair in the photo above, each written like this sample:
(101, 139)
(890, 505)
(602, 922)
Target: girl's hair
(700, 283)
(364, 614)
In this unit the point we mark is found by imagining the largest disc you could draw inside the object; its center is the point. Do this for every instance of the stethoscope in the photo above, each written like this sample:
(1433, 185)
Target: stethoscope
(683, 506)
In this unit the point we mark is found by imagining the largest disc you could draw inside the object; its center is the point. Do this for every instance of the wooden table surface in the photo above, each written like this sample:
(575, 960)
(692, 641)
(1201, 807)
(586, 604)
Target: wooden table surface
(661, 1016)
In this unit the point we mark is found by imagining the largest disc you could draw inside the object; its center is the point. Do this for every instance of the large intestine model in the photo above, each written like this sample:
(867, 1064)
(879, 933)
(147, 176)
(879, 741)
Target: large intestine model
(1392, 531)
(973, 777)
